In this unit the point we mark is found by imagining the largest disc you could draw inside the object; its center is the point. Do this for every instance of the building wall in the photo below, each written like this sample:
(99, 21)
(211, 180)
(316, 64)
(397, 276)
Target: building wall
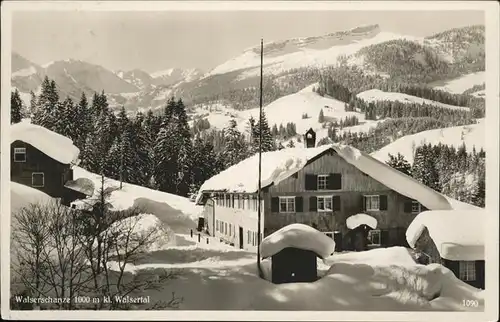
(234, 218)
(426, 245)
(354, 185)
(55, 173)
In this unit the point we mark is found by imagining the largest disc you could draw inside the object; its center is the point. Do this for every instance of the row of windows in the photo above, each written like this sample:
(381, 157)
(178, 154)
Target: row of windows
(229, 230)
(238, 202)
(287, 204)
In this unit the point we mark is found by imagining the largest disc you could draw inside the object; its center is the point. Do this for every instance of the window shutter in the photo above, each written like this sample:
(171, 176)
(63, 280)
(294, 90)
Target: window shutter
(363, 202)
(311, 182)
(313, 203)
(407, 206)
(384, 237)
(334, 181)
(275, 204)
(336, 203)
(383, 202)
(480, 274)
(299, 204)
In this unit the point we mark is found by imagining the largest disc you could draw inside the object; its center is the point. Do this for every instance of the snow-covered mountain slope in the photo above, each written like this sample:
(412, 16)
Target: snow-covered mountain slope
(175, 75)
(79, 74)
(290, 108)
(320, 51)
(463, 83)
(374, 95)
(136, 77)
(472, 135)
(177, 212)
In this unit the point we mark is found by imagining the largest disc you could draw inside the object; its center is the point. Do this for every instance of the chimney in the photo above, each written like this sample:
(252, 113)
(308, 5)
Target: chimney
(310, 138)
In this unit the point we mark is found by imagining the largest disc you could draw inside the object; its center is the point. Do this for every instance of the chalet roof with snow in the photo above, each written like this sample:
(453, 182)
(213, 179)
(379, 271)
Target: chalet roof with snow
(281, 164)
(56, 146)
(457, 234)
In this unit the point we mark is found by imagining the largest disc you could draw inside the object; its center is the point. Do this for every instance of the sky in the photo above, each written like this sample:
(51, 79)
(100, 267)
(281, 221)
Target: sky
(154, 41)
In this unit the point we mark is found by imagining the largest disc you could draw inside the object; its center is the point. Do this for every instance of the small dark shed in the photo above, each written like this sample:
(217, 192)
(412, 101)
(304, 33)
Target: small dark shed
(293, 265)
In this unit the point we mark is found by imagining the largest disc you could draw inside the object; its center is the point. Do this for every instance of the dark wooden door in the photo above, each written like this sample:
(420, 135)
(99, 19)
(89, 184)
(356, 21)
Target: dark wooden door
(292, 265)
(241, 237)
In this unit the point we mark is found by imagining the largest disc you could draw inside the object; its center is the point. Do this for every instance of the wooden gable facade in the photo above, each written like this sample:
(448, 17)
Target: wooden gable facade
(471, 272)
(327, 191)
(33, 168)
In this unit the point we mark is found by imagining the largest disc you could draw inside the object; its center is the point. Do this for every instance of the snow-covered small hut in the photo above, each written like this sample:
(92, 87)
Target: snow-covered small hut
(452, 238)
(294, 250)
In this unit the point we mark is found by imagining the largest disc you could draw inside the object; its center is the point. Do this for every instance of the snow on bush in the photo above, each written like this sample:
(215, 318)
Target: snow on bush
(298, 236)
(355, 221)
(56, 146)
(458, 235)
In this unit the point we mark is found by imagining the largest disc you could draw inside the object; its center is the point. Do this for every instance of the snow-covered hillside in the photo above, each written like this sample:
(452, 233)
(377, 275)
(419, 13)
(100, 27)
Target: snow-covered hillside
(472, 135)
(177, 212)
(374, 95)
(461, 84)
(302, 52)
(290, 108)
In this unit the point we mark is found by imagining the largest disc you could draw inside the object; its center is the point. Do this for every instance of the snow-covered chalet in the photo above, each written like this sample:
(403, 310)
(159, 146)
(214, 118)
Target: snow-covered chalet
(43, 159)
(318, 186)
(454, 239)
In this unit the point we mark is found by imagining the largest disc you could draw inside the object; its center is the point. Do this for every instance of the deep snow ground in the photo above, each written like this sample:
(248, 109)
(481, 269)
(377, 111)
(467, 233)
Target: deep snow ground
(219, 277)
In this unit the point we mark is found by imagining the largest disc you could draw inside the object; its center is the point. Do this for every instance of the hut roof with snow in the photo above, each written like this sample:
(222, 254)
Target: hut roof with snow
(457, 234)
(56, 146)
(297, 236)
(279, 165)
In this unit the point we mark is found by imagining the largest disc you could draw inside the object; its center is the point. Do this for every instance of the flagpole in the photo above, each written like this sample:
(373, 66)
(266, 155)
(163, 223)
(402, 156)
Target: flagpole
(259, 210)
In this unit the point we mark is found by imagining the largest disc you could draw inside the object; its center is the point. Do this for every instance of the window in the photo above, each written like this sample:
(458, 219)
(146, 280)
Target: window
(225, 228)
(227, 201)
(374, 237)
(248, 237)
(37, 179)
(325, 204)
(243, 201)
(372, 203)
(467, 270)
(322, 182)
(287, 204)
(416, 207)
(230, 229)
(19, 154)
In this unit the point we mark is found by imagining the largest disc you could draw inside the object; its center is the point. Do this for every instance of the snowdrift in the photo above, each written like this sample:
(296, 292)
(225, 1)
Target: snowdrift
(22, 196)
(298, 236)
(458, 235)
(177, 212)
(132, 231)
(361, 219)
(54, 145)
(388, 281)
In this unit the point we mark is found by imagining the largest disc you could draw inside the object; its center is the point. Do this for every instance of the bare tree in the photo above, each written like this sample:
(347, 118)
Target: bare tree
(82, 255)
